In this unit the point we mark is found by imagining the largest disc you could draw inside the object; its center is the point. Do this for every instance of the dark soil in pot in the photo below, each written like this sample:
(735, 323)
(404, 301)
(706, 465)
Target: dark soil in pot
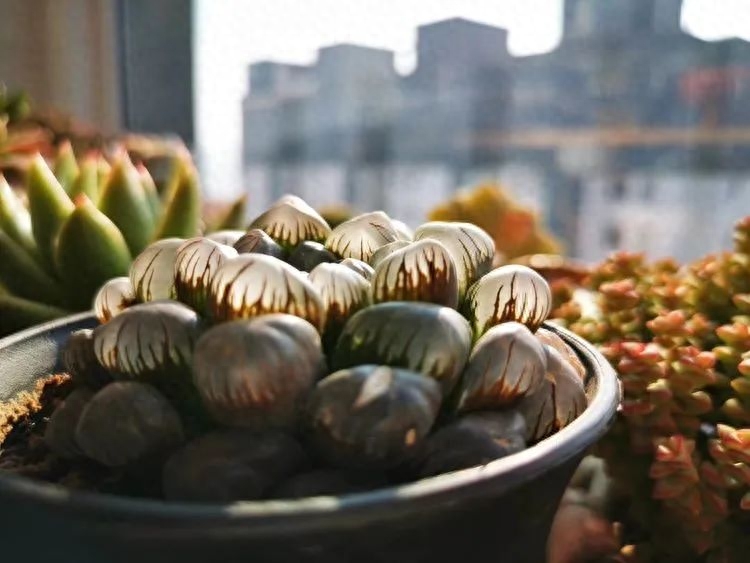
(23, 451)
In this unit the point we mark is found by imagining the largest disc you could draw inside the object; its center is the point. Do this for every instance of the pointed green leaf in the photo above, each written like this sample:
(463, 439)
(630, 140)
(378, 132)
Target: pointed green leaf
(14, 218)
(66, 166)
(151, 192)
(103, 170)
(23, 276)
(87, 182)
(49, 206)
(125, 202)
(182, 208)
(234, 218)
(90, 251)
(17, 313)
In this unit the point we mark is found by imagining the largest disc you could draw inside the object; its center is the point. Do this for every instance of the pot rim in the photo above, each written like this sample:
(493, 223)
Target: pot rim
(501, 474)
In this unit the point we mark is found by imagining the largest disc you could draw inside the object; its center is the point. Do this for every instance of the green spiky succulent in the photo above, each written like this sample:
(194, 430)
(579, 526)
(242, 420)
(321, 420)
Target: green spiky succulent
(679, 454)
(80, 223)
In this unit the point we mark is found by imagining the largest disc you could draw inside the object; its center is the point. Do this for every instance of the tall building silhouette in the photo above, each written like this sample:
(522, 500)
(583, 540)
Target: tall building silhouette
(616, 20)
(621, 93)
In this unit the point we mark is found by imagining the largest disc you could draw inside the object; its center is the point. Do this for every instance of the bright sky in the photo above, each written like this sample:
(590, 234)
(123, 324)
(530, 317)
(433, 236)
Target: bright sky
(232, 33)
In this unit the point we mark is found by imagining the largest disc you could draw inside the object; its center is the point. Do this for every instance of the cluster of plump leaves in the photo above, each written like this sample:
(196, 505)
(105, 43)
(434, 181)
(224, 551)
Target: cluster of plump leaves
(407, 359)
(679, 453)
(79, 220)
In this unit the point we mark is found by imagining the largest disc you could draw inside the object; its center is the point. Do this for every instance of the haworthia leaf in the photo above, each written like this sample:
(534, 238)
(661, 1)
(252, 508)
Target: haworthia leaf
(125, 202)
(49, 206)
(87, 182)
(234, 218)
(21, 275)
(151, 192)
(17, 313)
(181, 214)
(103, 170)
(14, 218)
(90, 251)
(66, 166)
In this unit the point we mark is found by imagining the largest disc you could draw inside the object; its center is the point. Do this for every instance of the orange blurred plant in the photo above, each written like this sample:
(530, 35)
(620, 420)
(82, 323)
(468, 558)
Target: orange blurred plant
(516, 230)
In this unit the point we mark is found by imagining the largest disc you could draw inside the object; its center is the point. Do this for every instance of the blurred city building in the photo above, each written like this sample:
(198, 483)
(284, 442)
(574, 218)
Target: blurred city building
(628, 134)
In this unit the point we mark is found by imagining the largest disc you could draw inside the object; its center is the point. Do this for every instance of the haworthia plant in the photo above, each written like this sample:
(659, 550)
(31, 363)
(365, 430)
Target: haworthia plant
(149, 186)
(182, 203)
(90, 251)
(49, 206)
(234, 218)
(83, 224)
(66, 167)
(17, 313)
(125, 202)
(14, 218)
(23, 276)
(87, 182)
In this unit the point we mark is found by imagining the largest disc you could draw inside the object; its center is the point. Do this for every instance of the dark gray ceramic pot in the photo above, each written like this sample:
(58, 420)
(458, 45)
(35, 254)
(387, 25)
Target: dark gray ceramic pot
(501, 512)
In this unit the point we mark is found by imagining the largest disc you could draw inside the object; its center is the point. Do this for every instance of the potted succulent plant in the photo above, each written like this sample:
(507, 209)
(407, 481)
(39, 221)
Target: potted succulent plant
(679, 453)
(361, 393)
(69, 227)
